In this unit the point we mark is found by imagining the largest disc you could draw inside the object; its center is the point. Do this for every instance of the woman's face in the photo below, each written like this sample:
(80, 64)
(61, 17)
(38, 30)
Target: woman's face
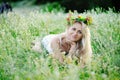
(74, 33)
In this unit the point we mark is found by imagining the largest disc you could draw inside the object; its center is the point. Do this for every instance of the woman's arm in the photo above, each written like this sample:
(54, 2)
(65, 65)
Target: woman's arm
(55, 45)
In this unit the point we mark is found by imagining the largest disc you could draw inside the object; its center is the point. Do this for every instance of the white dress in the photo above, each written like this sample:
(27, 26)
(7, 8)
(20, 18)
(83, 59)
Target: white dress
(46, 42)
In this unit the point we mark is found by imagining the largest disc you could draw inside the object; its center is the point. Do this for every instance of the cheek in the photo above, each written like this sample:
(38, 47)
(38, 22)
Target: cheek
(70, 32)
(80, 36)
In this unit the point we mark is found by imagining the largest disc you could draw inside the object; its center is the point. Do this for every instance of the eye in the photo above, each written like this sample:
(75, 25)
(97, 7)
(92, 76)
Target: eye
(73, 29)
(79, 31)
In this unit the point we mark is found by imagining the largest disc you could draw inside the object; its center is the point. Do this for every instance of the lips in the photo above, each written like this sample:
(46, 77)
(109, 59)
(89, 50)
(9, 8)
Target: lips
(73, 37)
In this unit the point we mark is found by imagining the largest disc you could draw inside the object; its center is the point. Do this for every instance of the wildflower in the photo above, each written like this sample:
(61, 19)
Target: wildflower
(89, 20)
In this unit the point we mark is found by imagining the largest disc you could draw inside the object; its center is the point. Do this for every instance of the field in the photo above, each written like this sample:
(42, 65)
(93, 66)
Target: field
(20, 27)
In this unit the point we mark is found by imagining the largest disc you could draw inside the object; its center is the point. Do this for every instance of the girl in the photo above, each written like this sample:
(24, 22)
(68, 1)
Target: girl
(74, 42)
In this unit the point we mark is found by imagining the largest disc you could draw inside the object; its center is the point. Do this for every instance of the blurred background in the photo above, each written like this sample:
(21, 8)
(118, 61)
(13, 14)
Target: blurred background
(32, 19)
(79, 5)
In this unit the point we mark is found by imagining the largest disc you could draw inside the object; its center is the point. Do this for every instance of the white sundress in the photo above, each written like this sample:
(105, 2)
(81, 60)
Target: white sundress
(46, 42)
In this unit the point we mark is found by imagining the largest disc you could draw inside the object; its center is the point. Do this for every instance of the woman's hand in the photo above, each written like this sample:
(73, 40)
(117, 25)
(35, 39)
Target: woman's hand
(73, 45)
(72, 49)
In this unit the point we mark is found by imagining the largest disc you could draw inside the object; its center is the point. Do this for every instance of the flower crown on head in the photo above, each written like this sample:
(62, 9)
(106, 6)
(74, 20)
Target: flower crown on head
(71, 19)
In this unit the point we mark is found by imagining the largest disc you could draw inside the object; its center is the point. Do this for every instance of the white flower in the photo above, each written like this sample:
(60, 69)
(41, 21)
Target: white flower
(104, 76)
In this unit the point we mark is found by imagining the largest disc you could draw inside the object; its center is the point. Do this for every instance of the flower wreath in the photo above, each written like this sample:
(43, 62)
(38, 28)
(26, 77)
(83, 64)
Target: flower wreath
(71, 19)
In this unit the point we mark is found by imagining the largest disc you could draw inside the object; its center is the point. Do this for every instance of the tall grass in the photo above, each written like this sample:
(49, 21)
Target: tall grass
(18, 62)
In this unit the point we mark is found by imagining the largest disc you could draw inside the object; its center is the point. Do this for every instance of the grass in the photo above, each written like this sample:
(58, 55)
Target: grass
(18, 62)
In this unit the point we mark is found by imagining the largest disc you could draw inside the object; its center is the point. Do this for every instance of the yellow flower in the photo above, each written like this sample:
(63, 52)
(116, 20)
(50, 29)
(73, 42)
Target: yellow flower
(68, 60)
(89, 20)
(79, 16)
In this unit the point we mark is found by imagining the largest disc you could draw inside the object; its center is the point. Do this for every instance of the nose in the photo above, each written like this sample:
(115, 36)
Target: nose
(75, 34)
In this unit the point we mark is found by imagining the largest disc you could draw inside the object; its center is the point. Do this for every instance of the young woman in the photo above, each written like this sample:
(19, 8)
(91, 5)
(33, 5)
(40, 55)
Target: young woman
(74, 42)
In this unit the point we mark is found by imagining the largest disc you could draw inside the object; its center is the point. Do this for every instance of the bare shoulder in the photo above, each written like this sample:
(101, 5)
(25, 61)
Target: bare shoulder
(57, 38)
(55, 43)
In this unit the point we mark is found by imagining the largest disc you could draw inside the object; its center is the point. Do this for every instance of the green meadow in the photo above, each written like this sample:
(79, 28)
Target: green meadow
(20, 27)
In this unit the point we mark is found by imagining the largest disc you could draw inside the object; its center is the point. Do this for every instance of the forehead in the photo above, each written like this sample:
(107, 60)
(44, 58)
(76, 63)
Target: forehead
(77, 25)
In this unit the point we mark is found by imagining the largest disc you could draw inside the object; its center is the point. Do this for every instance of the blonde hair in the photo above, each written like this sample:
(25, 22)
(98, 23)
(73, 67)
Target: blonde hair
(86, 42)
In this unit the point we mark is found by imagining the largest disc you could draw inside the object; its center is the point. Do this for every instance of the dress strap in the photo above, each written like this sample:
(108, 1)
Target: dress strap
(60, 40)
